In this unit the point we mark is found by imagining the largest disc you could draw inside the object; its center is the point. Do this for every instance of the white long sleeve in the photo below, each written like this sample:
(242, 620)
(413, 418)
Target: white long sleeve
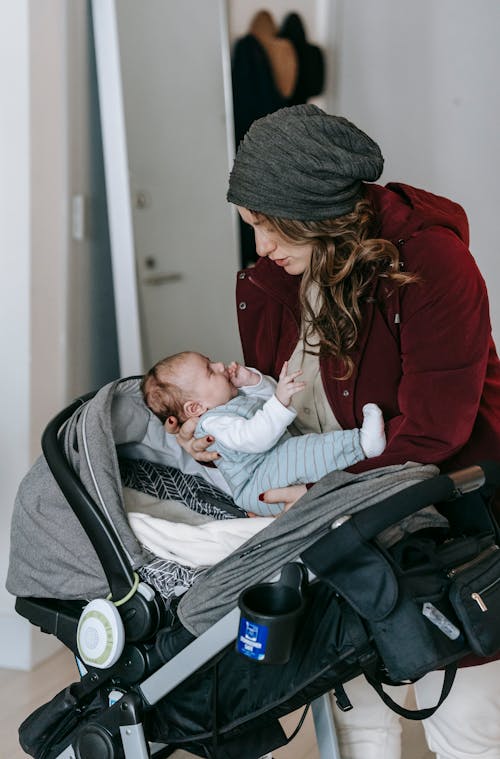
(264, 389)
(254, 435)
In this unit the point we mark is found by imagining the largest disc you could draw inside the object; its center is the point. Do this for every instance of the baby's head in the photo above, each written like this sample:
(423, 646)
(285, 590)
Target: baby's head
(186, 385)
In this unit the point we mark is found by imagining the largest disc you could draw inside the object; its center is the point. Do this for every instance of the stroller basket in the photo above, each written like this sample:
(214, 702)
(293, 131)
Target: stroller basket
(177, 681)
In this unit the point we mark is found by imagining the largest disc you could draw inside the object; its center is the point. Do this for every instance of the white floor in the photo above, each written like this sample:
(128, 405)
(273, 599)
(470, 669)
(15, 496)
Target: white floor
(22, 692)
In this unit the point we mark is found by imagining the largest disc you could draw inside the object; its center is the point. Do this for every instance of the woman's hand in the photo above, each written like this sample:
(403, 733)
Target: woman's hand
(288, 495)
(196, 447)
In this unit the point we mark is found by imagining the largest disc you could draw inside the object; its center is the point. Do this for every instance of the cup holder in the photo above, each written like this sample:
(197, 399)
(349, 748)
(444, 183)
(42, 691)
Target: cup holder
(270, 613)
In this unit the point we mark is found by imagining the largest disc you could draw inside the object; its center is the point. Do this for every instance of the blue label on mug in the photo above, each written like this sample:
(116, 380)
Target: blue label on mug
(252, 639)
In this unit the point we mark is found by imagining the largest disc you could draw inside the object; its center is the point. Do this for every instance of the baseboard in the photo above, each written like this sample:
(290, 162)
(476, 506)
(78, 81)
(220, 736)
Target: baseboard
(22, 646)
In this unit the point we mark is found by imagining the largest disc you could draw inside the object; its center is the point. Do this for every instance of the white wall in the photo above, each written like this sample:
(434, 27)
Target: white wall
(50, 335)
(15, 242)
(422, 79)
(312, 13)
(34, 189)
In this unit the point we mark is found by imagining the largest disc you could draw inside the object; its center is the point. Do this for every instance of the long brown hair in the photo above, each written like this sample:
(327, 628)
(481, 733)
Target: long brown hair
(346, 257)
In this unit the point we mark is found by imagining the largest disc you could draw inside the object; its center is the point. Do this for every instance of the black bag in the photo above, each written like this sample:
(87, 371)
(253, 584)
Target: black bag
(431, 599)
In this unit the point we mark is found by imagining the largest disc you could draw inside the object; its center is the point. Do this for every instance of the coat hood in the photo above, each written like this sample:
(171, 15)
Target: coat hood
(406, 210)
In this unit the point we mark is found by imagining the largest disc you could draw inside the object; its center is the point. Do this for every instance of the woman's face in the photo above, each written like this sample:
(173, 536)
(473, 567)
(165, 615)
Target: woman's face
(294, 259)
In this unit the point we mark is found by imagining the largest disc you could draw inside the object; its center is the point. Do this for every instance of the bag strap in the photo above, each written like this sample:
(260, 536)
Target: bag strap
(417, 714)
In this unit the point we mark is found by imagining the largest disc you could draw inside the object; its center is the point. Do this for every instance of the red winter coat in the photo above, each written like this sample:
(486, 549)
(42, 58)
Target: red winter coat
(425, 353)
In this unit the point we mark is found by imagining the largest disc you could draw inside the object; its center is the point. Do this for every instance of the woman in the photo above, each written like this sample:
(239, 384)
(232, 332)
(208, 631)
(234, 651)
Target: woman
(372, 292)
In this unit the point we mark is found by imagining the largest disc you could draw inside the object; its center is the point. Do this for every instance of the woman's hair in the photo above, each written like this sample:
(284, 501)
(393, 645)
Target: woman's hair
(346, 257)
(161, 393)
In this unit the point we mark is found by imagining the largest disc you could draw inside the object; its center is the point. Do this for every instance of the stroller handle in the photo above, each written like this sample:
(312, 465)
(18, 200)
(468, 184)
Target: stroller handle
(114, 561)
(484, 476)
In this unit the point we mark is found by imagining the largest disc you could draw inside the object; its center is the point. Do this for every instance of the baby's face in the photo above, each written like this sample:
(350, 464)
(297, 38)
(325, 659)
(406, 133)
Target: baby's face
(206, 381)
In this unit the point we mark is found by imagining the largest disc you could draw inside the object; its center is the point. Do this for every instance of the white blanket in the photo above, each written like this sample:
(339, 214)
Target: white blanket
(191, 545)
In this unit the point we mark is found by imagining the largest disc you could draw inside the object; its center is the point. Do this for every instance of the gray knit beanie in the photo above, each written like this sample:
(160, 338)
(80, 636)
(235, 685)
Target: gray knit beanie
(301, 163)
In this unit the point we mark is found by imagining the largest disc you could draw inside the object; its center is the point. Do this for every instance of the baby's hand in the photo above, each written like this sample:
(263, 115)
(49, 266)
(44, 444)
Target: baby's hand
(240, 376)
(287, 386)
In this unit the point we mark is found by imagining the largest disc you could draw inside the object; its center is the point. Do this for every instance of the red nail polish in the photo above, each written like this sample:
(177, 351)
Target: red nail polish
(261, 496)
(210, 439)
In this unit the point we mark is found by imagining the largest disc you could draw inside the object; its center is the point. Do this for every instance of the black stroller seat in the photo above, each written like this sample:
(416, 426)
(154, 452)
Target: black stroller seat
(174, 679)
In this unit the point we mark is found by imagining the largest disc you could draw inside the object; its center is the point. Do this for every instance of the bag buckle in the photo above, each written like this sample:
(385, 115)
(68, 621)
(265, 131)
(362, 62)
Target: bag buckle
(342, 699)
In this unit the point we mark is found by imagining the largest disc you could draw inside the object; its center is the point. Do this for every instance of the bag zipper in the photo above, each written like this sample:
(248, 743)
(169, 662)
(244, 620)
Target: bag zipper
(316, 534)
(477, 596)
(462, 567)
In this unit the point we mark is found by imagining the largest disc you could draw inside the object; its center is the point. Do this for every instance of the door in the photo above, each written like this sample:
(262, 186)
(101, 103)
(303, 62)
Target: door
(178, 145)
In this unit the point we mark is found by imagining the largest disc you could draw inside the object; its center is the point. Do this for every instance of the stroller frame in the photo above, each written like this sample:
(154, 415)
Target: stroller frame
(143, 614)
(61, 619)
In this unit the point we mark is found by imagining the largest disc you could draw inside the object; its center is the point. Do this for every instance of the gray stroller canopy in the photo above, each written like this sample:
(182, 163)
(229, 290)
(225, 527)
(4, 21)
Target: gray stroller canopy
(50, 554)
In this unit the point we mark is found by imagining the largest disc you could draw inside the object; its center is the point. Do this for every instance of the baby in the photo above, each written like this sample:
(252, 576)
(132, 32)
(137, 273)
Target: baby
(247, 414)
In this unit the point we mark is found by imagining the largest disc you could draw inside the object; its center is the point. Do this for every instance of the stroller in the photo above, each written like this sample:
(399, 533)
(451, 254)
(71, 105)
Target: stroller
(363, 575)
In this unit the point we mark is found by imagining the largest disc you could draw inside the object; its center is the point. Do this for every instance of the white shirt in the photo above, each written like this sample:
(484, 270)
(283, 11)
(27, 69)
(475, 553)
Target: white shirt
(262, 430)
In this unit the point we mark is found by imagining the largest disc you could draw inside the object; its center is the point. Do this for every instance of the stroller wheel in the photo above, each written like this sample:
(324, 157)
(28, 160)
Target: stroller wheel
(94, 741)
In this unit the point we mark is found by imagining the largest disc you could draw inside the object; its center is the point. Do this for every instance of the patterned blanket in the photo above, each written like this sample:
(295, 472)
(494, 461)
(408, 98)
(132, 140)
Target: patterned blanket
(168, 484)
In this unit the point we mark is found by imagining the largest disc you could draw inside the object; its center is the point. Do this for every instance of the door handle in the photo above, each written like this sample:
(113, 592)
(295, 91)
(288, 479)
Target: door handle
(162, 278)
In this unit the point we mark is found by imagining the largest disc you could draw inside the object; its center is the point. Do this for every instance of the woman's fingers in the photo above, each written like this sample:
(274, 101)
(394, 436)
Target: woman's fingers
(201, 444)
(171, 425)
(205, 457)
(186, 431)
(196, 447)
(199, 449)
(288, 495)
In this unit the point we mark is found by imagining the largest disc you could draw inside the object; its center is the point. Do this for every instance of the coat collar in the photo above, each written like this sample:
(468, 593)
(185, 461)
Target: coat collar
(277, 283)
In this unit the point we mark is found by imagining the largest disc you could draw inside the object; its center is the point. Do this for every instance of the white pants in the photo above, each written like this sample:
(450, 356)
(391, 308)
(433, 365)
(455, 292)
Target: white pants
(465, 726)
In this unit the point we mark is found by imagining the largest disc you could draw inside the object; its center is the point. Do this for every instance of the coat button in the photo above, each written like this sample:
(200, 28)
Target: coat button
(242, 305)
(345, 393)
(241, 275)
